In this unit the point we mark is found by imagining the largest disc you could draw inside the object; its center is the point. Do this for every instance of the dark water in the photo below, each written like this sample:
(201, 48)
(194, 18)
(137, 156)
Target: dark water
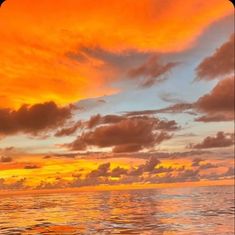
(199, 210)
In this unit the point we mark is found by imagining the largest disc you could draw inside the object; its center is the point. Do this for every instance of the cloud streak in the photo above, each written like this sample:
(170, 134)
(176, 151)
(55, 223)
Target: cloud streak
(152, 72)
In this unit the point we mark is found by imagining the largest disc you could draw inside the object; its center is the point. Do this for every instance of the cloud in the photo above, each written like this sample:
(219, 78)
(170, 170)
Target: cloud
(33, 119)
(94, 121)
(89, 104)
(151, 171)
(170, 97)
(101, 171)
(16, 185)
(220, 140)
(151, 72)
(104, 170)
(6, 159)
(196, 161)
(97, 120)
(186, 175)
(218, 105)
(107, 119)
(30, 167)
(148, 166)
(125, 134)
(146, 172)
(118, 61)
(118, 171)
(207, 166)
(151, 164)
(68, 130)
(219, 64)
(127, 148)
(213, 118)
(176, 108)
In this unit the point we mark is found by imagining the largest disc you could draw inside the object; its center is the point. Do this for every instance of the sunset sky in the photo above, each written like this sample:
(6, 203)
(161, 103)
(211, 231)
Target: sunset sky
(115, 92)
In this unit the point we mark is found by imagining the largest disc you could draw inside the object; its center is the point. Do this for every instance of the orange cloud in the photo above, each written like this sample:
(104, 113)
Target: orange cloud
(35, 40)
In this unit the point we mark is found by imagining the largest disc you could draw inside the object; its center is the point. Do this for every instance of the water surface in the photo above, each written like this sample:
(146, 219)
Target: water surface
(196, 210)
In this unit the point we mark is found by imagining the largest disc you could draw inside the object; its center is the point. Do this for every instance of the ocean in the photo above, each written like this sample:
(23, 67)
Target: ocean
(188, 210)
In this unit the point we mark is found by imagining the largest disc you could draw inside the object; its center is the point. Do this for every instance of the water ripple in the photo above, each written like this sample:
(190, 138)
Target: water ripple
(201, 210)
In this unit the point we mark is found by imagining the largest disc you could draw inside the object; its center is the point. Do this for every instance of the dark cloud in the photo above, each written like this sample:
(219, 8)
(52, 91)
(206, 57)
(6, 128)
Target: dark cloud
(97, 120)
(17, 185)
(6, 159)
(182, 175)
(152, 71)
(148, 166)
(118, 60)
(118, 171)
(151, 164)
(102, 170)
(207, 166)
(213, 118)
(134, 133)
(170, 97)
(218, 105)
(47, 157)
(107, 119)
(220, 140)
(186, 175)
(68, 130)
(65, 155)
(117, 64)
(33, 119)
(127, 148)
(176, 108)
(196, 161)
(31, 166)
(89, 104)
(219, 64)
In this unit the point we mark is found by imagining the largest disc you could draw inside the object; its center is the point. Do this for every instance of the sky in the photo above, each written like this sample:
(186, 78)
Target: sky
(110, 93)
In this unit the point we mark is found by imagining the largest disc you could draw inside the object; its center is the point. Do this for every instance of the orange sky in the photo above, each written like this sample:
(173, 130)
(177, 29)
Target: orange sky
(35, 39)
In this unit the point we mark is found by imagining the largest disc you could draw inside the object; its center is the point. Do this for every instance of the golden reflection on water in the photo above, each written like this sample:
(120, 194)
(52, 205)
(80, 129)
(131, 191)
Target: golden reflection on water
(201, 210)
